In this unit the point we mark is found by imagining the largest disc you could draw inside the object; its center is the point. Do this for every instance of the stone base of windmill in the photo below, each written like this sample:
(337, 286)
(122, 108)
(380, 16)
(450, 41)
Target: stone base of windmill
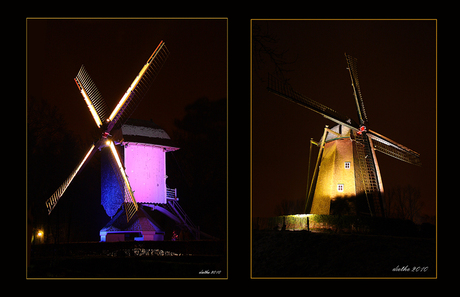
(141, 227)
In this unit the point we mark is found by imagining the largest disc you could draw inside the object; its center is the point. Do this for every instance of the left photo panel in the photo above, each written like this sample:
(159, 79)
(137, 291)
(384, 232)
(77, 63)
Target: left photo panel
(126, 138)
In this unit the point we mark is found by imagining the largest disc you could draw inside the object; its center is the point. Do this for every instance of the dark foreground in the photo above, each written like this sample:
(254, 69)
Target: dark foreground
(129, 260)
(305, 254)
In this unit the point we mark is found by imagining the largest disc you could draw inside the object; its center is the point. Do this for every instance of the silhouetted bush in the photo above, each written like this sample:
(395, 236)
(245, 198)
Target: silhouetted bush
(348, 224)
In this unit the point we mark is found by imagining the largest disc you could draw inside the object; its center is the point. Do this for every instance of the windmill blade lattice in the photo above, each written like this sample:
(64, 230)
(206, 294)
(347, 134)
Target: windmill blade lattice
(53, 200)
(130, 203)
(394, 149)
(284, 90)
(139, 87)
(89, 91)
(353, 69)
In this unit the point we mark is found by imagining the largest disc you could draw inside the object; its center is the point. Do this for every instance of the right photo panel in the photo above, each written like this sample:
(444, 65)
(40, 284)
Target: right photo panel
(343, 148)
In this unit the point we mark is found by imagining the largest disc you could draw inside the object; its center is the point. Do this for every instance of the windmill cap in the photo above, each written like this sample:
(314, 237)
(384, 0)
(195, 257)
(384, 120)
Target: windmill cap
(142, 131)
(340, 129)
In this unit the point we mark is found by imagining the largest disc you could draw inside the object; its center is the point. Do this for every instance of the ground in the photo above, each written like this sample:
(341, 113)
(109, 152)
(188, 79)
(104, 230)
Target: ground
(306, 254)
(162, 259)
(128, 267)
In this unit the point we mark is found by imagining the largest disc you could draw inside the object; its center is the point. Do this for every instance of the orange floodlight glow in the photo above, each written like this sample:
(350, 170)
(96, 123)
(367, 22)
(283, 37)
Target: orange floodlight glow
(91, 108)
(135, 82)
(120, 104)
(128, 92)
(155, 52)
(86, 157)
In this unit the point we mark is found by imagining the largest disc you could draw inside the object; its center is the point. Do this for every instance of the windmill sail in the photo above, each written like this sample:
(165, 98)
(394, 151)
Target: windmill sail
(353, 69)
(284, 90)
(53, 200)
(362, 143)
(393, 149)
(121, 113)
(93, 98)
(130, 203)
(139, 87)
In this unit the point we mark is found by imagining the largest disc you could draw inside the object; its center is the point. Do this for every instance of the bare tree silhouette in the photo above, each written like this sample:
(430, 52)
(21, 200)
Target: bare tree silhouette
(267, 57)
(403, 202)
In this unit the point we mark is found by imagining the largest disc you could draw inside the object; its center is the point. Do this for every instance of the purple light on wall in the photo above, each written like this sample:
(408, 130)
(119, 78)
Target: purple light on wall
(146, 170)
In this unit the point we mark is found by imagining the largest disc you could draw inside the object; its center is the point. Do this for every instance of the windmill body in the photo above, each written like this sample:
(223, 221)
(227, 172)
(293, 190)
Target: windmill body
(347, 171)
(143, 150)
(336, 177)
(346, 165)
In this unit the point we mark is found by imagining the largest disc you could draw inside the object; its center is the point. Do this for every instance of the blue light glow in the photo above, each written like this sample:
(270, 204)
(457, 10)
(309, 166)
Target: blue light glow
(111, 195)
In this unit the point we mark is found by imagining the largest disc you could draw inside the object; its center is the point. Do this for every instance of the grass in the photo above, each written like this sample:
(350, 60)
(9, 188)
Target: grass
(126, 267)
(305, 254)
(129, 259)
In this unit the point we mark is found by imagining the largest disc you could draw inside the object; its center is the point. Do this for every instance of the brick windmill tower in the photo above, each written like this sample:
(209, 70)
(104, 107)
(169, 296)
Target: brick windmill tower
(347, 164)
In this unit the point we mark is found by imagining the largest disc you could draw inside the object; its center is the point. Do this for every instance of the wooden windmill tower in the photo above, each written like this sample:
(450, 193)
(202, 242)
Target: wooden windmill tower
(347, 164)
(143, 150)
(140, 160)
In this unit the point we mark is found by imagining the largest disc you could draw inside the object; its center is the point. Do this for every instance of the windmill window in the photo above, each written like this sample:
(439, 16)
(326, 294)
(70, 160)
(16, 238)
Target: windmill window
(347, 165)
(340, 187)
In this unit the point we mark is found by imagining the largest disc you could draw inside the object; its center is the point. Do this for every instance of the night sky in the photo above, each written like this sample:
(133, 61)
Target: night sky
(114, 51)
(396, 66)
(397, 73)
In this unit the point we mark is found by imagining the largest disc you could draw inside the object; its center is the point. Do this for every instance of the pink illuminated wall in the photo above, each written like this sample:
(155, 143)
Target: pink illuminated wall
(145, 167)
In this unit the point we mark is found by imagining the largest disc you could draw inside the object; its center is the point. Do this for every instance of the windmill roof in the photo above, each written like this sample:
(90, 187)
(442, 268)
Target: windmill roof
(340, 129)
(142, 131)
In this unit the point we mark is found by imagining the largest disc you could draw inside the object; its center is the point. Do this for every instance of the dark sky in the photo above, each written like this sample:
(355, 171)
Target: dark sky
(397, 73)
(114, 51)
(396, 65)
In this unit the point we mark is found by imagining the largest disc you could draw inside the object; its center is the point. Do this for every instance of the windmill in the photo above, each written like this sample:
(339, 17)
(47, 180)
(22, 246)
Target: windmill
(143, 151)
(110, 126)
(346, 165)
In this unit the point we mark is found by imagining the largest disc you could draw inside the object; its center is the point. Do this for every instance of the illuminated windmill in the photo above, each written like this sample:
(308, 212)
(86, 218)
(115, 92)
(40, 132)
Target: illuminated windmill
(143, 150)
(154, 145)
(347, 165)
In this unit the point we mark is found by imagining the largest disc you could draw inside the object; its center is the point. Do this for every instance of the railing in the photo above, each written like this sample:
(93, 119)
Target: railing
(171, 194)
